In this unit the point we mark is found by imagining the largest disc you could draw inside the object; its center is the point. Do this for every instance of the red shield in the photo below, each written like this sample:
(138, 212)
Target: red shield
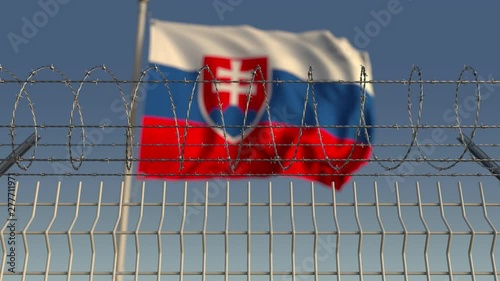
(226, 102)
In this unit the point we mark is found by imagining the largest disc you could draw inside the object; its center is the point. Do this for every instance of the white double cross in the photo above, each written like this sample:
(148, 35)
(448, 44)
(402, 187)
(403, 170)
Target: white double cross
(234, 89)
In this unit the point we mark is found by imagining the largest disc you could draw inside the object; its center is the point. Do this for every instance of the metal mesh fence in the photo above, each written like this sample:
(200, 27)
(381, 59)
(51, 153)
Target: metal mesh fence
(236, 230)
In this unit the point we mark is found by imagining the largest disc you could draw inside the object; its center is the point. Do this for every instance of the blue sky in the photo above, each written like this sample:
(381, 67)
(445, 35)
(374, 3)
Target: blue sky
(76, 36)
(438, 36)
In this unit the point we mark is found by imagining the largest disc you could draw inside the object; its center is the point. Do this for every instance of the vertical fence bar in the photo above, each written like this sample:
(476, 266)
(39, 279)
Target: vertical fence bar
(337, 226)
(160, 227)
(226, 236)
(47, 231)
(25, 238)
(204, 237)
(137, 242)
(360, 241)
(181, 237)
(382, 239)
(495, 232)
(113, 233)
(92, 231)
(249, 230)
(405, 232)
(450, 232)
(427, 235)
(292, 219)
(315, 225)
(473, 232)
(70, 241)
(271, 233)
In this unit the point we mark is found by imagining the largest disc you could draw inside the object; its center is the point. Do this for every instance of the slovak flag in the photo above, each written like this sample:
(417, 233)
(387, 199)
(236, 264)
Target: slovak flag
(242, 102)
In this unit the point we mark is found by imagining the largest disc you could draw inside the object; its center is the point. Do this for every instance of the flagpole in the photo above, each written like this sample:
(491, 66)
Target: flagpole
(127, 179)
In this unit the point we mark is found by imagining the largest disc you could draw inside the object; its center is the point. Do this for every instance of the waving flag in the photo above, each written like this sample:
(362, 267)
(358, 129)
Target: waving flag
(236, 123)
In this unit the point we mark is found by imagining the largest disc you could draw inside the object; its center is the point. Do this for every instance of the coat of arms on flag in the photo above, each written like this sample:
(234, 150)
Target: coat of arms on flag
(235, 117)
(234, 96)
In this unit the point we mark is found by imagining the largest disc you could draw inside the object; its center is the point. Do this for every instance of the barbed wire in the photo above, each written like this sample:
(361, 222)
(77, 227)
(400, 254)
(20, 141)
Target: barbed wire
(223, 160)
(362, 128)
(278, 81)
(395, 126)
(260, 145)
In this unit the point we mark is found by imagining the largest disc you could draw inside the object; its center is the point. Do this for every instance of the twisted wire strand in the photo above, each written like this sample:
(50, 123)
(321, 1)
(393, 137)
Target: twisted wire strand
(261, 145)
(222, 160)
(395, 126)
(208, 76)
(279, 81)
(270, 174)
